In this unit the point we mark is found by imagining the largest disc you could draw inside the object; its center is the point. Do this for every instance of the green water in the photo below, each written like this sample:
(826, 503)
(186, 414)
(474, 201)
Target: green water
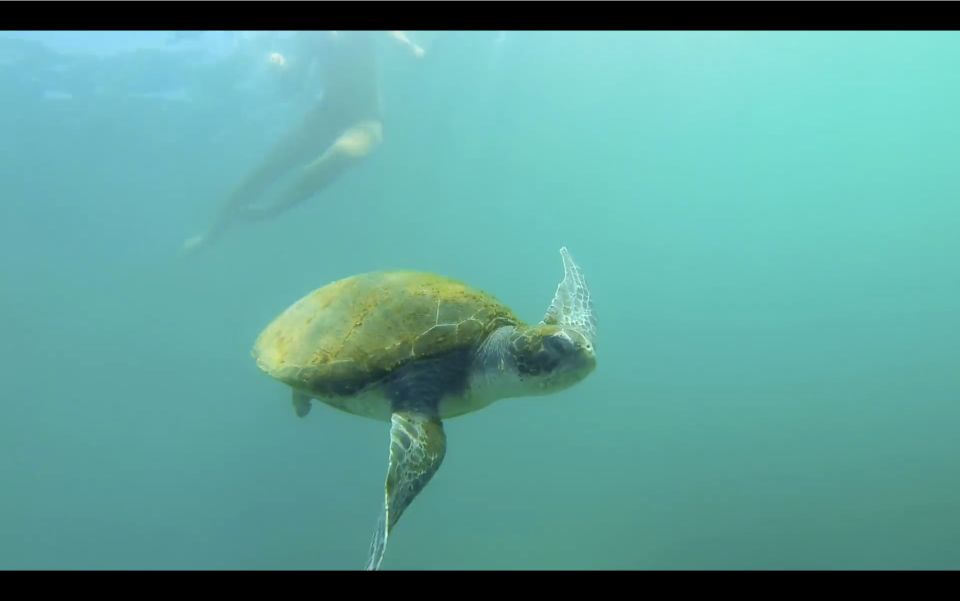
(767, 221)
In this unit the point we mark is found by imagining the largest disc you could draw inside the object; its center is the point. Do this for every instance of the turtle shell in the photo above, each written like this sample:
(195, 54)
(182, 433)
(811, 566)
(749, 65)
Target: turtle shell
(348, 335)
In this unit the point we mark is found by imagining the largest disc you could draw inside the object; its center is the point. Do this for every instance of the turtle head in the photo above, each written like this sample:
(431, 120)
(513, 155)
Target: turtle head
(548, 357)
(561, 350)
(533, 360)
(567, 334)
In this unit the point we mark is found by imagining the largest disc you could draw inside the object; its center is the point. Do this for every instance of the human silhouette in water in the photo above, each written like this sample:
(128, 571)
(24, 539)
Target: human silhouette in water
(343, 129)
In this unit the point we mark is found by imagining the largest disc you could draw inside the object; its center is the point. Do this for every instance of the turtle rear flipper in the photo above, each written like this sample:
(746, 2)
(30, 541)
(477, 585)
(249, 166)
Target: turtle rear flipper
(417, 447)
(301, 403)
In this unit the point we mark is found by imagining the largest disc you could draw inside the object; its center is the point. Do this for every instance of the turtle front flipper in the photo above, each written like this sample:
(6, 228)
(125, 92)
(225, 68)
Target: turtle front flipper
(417, 447)
(572, 305)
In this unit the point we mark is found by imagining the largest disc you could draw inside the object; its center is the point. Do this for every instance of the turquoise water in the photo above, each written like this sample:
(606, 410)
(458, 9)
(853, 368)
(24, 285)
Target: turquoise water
(767, 221)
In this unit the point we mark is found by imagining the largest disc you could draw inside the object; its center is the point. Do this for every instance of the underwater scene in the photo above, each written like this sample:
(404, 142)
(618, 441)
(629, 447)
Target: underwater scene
(479, 300)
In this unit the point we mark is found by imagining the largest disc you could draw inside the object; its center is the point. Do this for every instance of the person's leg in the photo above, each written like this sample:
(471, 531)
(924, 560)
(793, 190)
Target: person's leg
(298, 147)
(351, 147)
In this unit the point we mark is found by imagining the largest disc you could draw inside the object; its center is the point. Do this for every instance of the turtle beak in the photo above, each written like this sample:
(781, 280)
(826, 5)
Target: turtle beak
(588, 356)
(580, 351)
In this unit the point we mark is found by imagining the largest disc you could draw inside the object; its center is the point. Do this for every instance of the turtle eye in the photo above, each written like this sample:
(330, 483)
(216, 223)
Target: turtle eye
(558, 345)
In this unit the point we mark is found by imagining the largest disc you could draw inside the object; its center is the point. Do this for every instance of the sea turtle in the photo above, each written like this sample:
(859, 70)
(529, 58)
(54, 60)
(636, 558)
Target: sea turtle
(416, 348)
